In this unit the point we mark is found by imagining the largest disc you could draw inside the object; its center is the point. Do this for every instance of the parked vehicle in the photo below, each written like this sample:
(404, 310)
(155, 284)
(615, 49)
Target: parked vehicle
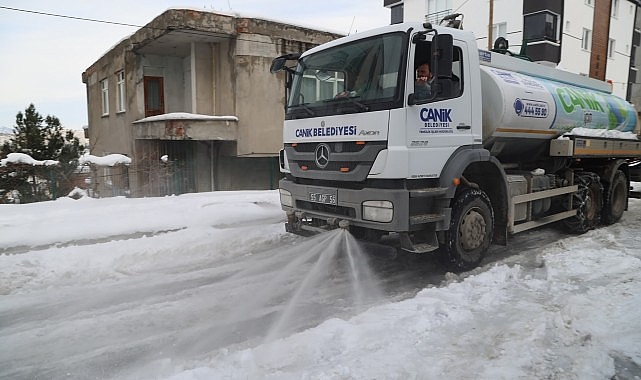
(502, 144)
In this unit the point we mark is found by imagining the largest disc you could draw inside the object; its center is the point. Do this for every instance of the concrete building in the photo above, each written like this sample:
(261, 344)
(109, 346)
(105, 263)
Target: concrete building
(598, 38)
(189, 97)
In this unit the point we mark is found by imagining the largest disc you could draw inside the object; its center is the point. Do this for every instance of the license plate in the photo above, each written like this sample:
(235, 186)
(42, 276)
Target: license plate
(324, 196)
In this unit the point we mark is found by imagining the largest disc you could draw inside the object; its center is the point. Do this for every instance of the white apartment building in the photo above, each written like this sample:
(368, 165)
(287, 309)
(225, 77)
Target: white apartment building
(597, 38)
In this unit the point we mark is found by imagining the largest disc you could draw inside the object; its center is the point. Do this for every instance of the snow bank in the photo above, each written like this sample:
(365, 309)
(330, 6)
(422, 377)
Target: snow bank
(22, 158)
(108, 160)
(89, 289)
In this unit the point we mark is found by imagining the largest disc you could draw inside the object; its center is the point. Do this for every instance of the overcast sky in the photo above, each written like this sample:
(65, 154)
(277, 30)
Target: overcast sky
(44, 56)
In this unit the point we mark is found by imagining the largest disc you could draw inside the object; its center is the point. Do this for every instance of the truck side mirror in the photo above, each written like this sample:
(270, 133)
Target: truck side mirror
(442, 55)
(278, 64)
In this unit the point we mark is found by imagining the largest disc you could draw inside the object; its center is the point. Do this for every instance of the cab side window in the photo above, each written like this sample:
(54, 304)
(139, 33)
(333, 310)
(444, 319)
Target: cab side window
(426, 85)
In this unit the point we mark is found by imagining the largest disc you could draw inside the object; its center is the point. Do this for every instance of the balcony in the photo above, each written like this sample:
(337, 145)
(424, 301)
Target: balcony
(186, 126)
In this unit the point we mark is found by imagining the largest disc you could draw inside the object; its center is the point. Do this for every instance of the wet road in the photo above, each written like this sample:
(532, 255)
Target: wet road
(120, 328)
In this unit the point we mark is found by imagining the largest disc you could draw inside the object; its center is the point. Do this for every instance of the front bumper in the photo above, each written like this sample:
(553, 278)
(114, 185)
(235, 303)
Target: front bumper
(331, 205)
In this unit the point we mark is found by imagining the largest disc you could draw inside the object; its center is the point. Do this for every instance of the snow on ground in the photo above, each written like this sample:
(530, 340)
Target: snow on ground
(568, 311)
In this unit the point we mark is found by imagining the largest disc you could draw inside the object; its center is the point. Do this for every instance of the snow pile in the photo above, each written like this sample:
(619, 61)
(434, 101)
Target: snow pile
(108, 160)
(22, 158)
(77, 193)
(605, 133)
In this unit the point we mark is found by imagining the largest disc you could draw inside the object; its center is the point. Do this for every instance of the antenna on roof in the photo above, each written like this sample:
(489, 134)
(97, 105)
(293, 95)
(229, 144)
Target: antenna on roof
(351, 26)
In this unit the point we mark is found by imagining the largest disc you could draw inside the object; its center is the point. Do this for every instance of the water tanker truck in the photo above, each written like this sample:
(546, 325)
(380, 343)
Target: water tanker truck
(499, 144)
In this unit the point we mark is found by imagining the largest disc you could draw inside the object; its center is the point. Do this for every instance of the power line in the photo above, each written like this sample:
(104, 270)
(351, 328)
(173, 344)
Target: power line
(193, 32)
(69, 17)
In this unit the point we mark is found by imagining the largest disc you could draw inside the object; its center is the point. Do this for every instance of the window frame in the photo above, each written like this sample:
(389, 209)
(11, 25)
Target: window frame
(496, 30)
(586, 39)
(120, 92)
(423, 49)
(161, 95)
(611, 47)
(545, 36)
(104, 96)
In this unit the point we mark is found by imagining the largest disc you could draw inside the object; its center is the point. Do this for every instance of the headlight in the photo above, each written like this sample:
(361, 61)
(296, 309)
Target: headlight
(282, 161)
(377, 211)
(286, 198)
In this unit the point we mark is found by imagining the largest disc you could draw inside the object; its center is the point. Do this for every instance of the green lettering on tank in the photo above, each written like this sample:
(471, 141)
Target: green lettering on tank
(590, 99)
(576, 99)
(571, 98)
(568, 107)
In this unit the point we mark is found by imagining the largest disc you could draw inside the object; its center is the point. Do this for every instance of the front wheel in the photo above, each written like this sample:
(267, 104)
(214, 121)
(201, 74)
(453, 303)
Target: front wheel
(470, 232)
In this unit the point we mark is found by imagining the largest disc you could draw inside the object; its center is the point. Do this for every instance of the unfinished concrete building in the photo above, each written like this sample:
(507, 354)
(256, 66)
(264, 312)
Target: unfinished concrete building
(190, 99)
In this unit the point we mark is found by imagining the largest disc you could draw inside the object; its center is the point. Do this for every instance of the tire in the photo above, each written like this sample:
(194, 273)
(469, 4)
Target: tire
(588, 202)
(471, 227)
(615, 199)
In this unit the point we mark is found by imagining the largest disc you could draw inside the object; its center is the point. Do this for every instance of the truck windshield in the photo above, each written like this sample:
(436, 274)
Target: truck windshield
(360, 76)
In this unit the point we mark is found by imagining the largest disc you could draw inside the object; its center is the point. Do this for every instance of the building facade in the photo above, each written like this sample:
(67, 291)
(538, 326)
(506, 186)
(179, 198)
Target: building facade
(190, 99)
(597, 38)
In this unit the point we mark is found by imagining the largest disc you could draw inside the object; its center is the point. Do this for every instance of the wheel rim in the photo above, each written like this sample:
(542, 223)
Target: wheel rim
(591, 205)
(472, 230)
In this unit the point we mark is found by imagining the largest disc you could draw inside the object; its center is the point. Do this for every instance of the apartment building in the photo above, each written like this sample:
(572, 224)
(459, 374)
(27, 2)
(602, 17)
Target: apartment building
(597, 38)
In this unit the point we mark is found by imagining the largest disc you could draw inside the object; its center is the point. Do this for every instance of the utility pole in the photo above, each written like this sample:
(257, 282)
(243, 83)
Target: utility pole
(490, 26)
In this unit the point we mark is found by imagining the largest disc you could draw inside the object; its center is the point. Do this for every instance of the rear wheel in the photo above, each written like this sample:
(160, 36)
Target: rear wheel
(615, 199)
(588, 202)
(470, 232)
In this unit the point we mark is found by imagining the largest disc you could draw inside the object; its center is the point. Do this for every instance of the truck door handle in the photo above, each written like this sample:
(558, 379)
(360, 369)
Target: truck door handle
(463, 126)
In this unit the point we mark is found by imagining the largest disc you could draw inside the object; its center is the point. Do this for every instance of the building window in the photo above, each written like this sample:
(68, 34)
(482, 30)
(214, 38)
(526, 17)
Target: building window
(437, 9)
(589, 2)
(104, 87)
(120, 91)
(615, 8)
(434, 6)
(499, 30)
(541, 26)
(611, 47)
(154, 96)
(586, 41)
(397, 14)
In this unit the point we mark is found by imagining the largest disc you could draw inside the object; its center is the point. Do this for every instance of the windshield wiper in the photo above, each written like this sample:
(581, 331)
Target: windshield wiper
(360, 105)
(305, 107)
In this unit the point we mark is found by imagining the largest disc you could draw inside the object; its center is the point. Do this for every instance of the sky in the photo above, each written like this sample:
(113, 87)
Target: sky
(210, 286)
(44, 56)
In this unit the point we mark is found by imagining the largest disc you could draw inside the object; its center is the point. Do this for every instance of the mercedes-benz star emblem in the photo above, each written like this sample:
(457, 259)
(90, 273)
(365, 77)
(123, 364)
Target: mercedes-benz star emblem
(322, 155)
